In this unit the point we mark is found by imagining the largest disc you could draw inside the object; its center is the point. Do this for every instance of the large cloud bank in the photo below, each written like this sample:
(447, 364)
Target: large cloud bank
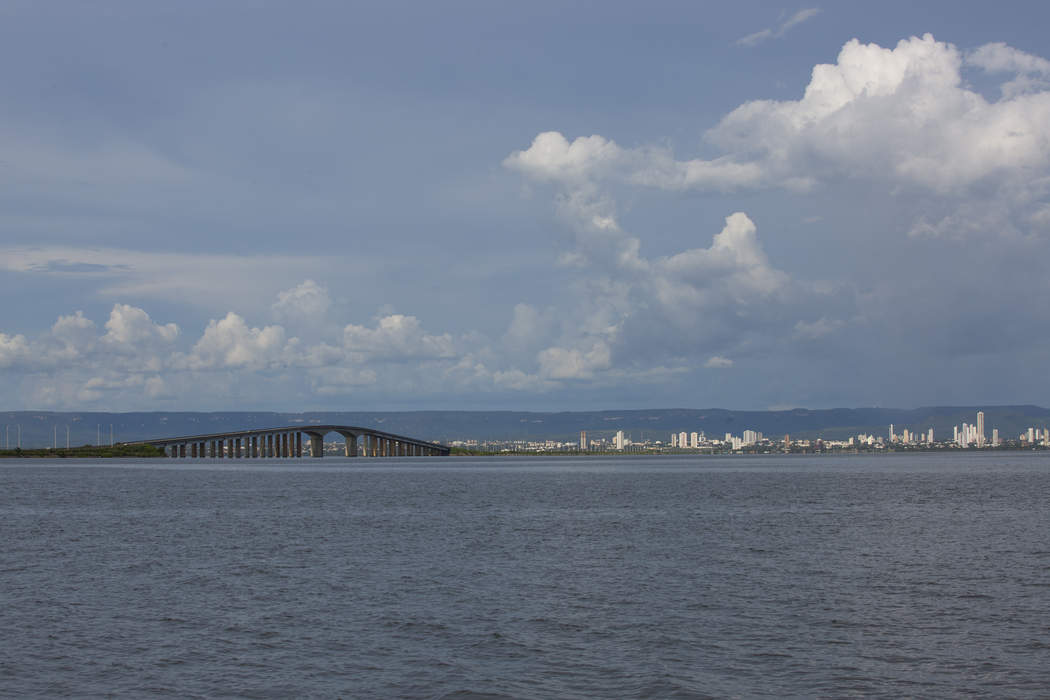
(901, 122)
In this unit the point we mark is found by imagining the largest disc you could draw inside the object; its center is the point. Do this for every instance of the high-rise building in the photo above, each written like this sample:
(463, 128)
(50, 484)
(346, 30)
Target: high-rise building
(694, 440)
(583, 439)
(683, 440)
(995, 437)
(618, 441)
(980, 428)
(929, 437)
(892, 436)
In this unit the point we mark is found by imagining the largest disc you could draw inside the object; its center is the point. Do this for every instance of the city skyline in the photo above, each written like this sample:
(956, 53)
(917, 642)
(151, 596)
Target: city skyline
(544, 206)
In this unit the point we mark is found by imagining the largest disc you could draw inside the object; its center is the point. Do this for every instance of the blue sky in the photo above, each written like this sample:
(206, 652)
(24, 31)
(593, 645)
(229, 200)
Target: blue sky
(551, 206)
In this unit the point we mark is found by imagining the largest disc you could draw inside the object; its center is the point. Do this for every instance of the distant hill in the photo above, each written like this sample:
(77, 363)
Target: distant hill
(40, 427)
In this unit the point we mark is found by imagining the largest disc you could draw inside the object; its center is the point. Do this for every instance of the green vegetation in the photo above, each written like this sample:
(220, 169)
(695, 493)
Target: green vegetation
(96, 451)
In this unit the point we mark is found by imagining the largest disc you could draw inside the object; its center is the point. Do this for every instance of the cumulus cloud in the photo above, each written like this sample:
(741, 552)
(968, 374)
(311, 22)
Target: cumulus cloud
(230, 343)
(718, 362)
(129, 325)
(586, 159)
(397, 337)
(307, 300)
(780, 29)
(903, 117)
(14, 349)
(902, 114)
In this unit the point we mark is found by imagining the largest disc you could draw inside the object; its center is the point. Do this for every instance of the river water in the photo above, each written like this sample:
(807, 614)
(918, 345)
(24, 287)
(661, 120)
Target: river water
(651, 577)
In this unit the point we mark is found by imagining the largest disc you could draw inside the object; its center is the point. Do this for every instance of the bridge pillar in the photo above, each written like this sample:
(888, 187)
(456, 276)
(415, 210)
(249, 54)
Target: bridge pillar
(284, 446)
(182, 450)
(298, 444)
(351, 445)
(317, 445)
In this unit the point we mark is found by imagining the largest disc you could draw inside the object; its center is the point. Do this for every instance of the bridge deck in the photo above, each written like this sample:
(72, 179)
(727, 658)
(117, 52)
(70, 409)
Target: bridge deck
(286, 441)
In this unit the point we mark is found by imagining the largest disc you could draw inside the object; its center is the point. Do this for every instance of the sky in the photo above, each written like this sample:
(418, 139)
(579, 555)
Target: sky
(523, 206)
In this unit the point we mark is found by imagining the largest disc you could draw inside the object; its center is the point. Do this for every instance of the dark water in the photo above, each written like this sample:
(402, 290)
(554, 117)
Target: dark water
(890, 576)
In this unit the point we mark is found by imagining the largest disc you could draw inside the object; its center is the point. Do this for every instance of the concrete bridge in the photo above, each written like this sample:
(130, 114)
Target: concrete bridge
(288, 443)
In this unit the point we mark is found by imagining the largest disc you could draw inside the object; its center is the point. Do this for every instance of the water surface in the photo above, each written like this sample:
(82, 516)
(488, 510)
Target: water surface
(681, 577)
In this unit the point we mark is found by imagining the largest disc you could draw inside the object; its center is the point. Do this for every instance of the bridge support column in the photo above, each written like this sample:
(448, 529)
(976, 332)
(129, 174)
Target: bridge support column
(317, 445)
(182, 450)
(351, 445)
(298, 445)
(284, 446)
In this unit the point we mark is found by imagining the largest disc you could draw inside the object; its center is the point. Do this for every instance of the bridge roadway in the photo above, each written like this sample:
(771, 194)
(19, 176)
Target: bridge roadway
(288, 443)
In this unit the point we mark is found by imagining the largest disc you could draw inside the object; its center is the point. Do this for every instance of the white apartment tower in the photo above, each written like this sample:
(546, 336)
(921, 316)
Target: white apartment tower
(980, 428)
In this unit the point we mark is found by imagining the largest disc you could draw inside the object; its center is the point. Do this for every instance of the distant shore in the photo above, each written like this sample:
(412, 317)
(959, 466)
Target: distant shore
(89, 451)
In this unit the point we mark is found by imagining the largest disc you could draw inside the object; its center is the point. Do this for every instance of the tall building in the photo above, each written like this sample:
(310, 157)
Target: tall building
(892, 436)
(583, 439)
(618, 441)
(995, 437)
(683, 440)
(694, 440)
(929, 437)
(980, 428)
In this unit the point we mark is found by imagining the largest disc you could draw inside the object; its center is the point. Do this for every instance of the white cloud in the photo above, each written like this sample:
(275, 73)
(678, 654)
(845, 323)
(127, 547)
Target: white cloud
(14, 349)
(397, 337)
(901, 114)
(588, 159)
(718, 362)
(307, 300)
(231, 343)
(563, 363)
(997, 57)
(901, 117)
(129, 325)
(780, 29)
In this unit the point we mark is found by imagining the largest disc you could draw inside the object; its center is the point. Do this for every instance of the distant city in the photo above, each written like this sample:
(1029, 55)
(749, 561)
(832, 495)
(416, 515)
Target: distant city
(965, 436)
